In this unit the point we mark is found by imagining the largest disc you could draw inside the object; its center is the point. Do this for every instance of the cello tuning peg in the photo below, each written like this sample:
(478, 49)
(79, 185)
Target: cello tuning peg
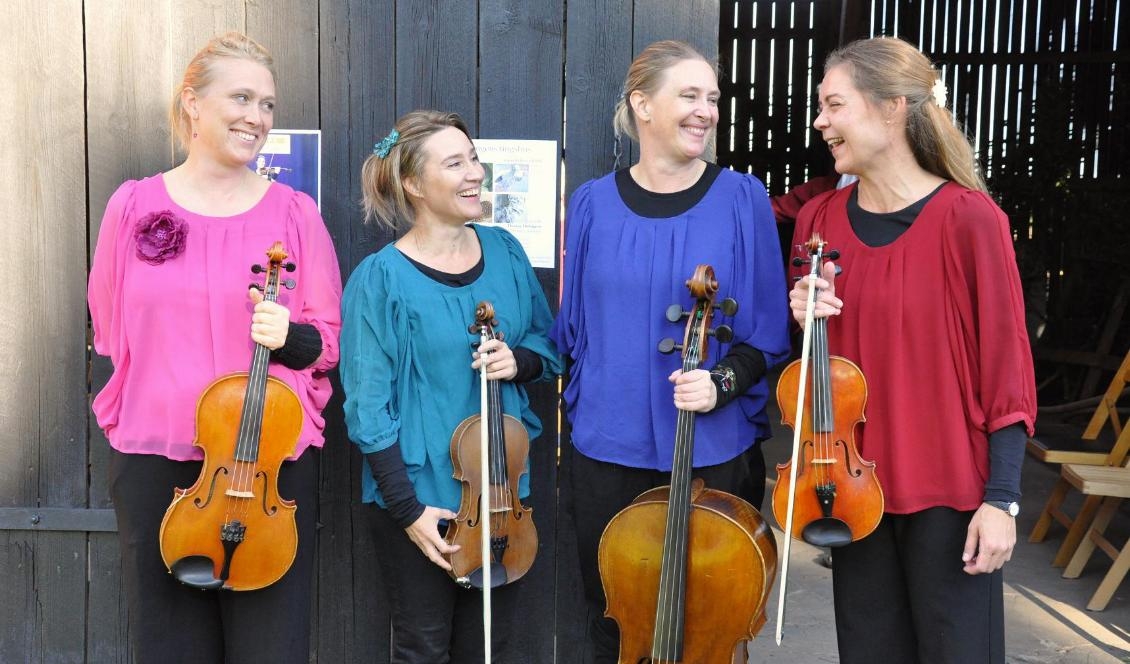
(723, 333)
(257, 269)
(668, 346)
(729, 306)
(289, 283)
(675, 313)
(289, 267)
(833, 255)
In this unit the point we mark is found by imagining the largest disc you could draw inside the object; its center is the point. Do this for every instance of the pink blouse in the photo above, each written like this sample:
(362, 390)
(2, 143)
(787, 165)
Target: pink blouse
(171, 329)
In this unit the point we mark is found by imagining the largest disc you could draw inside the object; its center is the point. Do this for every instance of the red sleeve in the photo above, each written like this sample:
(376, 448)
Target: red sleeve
(983, 281)
(788, 205)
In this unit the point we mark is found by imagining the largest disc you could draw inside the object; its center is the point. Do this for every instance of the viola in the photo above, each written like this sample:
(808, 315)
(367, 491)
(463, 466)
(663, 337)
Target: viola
(231, 530)
(716, 555)
(826, 494)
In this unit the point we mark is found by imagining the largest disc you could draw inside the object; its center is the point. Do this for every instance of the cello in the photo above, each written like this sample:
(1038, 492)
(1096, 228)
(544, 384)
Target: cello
(231, 530)
(826, 494)
(716, 555)
(495, 532)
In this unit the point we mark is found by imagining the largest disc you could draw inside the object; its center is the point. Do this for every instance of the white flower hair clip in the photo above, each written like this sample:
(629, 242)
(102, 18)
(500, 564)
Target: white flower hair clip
(939, 91)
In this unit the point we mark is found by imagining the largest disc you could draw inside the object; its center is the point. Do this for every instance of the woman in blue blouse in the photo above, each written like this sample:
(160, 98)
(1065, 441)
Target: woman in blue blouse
(633, 238)
(410, 375)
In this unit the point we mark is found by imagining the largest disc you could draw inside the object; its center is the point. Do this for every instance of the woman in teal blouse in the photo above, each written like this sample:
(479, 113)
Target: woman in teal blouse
(411, 375)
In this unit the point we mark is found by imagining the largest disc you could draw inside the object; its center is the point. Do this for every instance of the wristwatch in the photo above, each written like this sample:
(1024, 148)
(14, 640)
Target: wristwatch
(1012, 508)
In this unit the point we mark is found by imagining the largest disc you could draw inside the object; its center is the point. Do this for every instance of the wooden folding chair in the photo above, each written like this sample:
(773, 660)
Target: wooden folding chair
(1105, 413)
(1111, 485)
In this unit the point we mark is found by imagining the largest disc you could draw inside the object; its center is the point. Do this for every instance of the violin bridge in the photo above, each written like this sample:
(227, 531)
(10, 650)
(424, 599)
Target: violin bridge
(239, 494)
(824, 460)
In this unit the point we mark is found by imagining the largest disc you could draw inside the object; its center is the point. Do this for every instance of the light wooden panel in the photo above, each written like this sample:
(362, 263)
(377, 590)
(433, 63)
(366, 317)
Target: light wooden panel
(42, 387)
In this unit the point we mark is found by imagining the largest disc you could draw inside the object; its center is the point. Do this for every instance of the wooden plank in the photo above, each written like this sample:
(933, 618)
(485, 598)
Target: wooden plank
(521, 51)
(437, 57)
(44, 617)
(43, 388)
(58, 518)
(44, 423)
(289, 30)
(351, 618)
(598, 51)
(107, 634)
(693, 21)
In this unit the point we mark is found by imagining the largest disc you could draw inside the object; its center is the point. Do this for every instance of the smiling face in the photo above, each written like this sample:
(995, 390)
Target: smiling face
(858, 132)
(447, 187)
(232, 115)
(677, 120)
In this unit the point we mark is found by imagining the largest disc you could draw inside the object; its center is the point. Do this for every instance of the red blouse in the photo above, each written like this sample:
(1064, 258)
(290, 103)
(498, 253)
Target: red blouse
(936, 322)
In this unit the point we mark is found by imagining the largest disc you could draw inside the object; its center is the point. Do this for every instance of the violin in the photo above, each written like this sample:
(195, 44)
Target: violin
(716, 555)
(489, 452)
(231, 530)
(826, 494)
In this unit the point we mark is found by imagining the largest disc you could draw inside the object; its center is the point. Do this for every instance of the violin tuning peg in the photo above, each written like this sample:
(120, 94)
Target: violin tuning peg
(839, 270)
(798, 261)
(289, 283)
(257, 269)
(723, 333)
(729, 306)
(833, 255)
(475, 345)
(258, 287)
(668, 346)
(289, 267)
(675, 313)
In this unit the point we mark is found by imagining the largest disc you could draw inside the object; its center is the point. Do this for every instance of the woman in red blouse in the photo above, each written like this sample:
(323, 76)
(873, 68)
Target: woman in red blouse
(929, 305)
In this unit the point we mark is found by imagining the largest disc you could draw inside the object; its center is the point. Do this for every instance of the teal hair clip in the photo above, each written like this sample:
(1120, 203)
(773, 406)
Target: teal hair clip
(382, 148)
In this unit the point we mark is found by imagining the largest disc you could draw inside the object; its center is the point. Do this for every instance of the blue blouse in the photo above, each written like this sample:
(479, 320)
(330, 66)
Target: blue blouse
(406, 358)
(622, 271)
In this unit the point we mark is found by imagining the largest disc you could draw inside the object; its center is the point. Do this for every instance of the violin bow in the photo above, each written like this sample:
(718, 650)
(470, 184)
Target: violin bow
(805, 352)
(484, 494)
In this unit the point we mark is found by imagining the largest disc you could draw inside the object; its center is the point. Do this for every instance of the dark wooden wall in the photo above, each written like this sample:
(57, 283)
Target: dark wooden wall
(88, 87)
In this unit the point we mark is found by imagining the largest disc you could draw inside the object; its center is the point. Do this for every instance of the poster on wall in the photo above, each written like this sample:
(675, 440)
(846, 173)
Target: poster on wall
(520, 193)
(294, 158)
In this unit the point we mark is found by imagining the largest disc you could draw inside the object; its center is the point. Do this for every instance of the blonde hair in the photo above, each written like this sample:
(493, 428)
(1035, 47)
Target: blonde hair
(885, 68)
(646, 75)
(201, 71)
(382, 178)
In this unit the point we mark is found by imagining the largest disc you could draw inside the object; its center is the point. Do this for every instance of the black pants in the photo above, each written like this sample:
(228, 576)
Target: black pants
(600, 490)
(902, 596)
(170, 622)
(435, 621)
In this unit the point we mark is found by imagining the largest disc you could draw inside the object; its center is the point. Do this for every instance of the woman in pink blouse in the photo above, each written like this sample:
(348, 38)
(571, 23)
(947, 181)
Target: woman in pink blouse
(170, 306)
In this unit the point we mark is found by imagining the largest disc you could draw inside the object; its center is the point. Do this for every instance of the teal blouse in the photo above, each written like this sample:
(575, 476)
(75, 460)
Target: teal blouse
(406, 358)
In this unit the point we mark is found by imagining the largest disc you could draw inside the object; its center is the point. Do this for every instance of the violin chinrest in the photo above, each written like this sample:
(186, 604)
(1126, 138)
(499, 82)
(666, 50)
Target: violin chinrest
(827, 531)
(498, 577)
(198, 572)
